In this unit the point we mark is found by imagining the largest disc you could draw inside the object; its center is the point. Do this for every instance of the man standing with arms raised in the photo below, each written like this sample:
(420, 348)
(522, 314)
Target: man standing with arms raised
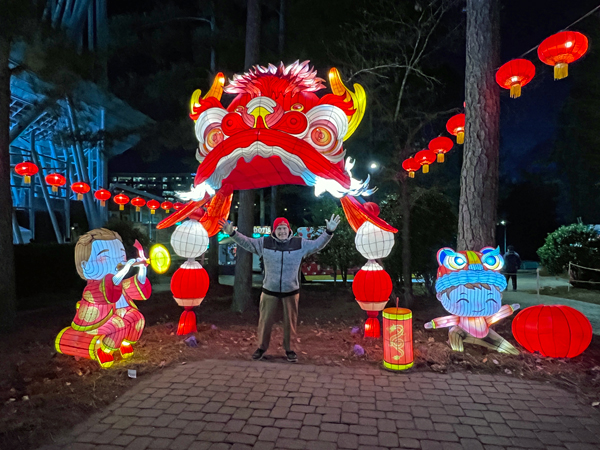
(282, 255)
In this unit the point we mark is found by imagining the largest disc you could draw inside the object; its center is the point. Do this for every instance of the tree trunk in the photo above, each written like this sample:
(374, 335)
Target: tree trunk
(8, 298)
(213, 260)
(479, 176)
(242, 286)
(406, 256)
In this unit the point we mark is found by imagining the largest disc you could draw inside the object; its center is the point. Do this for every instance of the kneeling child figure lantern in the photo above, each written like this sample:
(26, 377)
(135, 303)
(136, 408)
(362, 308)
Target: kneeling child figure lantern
(469, 285)
(107, 319)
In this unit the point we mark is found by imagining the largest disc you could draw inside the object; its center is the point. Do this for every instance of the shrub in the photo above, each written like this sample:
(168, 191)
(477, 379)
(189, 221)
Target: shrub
(576, 243)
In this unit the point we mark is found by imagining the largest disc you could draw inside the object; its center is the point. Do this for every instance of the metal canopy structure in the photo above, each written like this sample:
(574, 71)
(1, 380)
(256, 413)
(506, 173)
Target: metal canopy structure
(66, 135)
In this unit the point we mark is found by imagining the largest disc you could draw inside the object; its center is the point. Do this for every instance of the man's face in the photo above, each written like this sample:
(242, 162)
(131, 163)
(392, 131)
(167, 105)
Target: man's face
(282, 231)
(104, 259)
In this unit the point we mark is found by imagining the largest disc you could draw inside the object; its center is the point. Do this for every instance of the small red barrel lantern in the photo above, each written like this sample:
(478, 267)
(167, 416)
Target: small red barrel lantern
(138, 202)
(557, 331)
(372, 289)
(177, 206)
(26, 170)
(80, 188)
(440, 146)
(411, 166)
(425, 158)
(121, 200)
(515, 74)
(189, 285)
(397, 339)
(561, 49)
(456, 127)
(166, 206)
(55, 180)
(102, 195)
(153, 205)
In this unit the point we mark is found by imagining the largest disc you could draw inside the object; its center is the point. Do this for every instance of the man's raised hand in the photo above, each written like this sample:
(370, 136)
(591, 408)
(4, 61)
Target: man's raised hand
(332, 223)
(226, 226)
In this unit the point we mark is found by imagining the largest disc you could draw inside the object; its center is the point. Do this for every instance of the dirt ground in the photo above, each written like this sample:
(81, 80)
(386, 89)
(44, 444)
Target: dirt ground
(43, 393)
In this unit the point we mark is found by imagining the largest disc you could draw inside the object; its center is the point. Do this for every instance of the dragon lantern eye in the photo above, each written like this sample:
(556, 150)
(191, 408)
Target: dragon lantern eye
(493, 262)
(456, 262)
(214, 137)
(297, 107)
(321, 136)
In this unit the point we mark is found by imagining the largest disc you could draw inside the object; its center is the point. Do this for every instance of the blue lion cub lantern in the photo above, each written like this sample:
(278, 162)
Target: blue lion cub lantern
(469, 285)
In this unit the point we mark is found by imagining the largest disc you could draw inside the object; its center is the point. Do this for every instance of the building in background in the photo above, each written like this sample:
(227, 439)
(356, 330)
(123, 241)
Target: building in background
(163, 185)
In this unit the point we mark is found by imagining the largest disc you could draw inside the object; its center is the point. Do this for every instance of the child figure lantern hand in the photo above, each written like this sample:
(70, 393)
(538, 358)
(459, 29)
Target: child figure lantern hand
(469, 285)
(107, 320)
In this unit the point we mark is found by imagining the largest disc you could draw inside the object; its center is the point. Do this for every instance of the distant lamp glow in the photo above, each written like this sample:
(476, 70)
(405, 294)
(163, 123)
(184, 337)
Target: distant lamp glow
(80, 188)
(121, 200)
(373, 165)
(102, 195)
(152, 205)
(55, 180)
(26, 170)
(138, 202)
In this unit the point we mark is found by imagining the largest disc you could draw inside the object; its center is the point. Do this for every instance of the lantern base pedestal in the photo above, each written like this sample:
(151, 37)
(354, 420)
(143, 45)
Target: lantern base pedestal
(187, 322)
(396, 367)
(372, 326)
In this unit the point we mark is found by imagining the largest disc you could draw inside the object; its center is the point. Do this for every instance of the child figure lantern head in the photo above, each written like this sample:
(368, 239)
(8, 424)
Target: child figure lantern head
(98, 253)
(469, 283)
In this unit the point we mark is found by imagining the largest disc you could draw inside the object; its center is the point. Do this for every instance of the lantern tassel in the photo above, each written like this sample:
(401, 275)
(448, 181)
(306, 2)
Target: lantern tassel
(26, 179)
(515, 90)
(561, 70)
(460, 137)
(121, 207)
(425, 168)
(440, 157)
(79, 197)
(411, 174)
(187, 322)
(151, 211)
(102, 203)
(54, 189)
(372, 327)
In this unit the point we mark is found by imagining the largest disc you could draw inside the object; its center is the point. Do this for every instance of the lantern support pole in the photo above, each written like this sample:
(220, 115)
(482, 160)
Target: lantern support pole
(32, 188)
(16, 228)
(67, 198)
(59, 237)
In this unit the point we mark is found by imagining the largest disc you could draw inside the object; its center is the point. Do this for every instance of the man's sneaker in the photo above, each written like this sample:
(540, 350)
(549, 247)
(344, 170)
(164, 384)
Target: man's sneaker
(258, 354)
(291, 356)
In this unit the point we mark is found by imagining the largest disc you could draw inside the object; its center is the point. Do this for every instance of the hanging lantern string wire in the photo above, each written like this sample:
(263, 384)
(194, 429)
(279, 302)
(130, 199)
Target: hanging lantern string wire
(566, 28)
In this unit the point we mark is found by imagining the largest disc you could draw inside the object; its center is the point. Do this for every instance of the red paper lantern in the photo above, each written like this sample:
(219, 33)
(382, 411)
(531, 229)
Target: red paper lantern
(55, 180)
(372, 289)
(80, 188)
(456, 127)
(153, 205)
(138, 202)
(26, 170)
(515, 74)
(561, 49)
(189, 286)
(411, 166)
(397, 339)
(177, 206)
(425, 158)
(166, 206)
(440, 146)
(557, 331)
(102, 195)
(121, 200)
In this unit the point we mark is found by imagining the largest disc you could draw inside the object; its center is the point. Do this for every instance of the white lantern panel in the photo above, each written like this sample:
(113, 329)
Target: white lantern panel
(372, 242)
(190, 239)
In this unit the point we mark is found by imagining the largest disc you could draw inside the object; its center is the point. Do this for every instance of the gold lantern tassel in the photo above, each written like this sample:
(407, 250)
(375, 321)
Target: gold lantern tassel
(26, 179)
(137, 209)
(460, 137)
(54, 189)
(561, 70)
(151, 211)
(425, 168)
(167, 211)
(121, 207)
(440, 157)
(515, 90)
(102, 203)
(411, 174)
(79, 197)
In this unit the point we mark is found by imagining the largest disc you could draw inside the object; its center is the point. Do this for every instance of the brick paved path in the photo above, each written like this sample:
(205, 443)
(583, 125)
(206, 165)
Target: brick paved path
(243, 405)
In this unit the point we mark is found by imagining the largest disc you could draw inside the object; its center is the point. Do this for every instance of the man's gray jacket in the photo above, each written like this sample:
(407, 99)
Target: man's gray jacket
(281, 259)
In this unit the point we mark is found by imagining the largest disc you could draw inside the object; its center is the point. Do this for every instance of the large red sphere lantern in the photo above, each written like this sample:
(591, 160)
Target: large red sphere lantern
(425, 158)
(189, 285)
(372, 287)
(55, 180)
(121, 200)
(440, 146)
(166, 206)
(561, 49)
(557, 331)
(456, 127)
(102, 195)
(515, 74)
(153, 205)
(80, 188)
(138, 202)
(411, 166)
(26, 170)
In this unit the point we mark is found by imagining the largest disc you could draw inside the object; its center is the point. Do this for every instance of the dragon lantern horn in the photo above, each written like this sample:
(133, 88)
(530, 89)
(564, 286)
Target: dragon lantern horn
(358, 97)
(216, 91)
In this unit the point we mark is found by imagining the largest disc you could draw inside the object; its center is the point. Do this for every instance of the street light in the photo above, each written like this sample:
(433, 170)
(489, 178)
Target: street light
(504, 223)
(373, 165)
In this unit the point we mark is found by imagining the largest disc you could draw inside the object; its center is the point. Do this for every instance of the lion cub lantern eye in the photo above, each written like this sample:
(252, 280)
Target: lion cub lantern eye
(214, 137)
(455, 262)
(321, 136)
(492, 262)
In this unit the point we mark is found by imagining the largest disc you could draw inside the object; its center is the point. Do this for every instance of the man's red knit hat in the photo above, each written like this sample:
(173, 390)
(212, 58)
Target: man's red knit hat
(279, 221)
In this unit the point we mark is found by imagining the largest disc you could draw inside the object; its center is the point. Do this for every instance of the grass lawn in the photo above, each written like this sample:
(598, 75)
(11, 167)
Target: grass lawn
(583, 295)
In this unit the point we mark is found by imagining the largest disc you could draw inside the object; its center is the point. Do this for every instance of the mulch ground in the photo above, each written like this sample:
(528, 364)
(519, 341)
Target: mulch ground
(43, 393)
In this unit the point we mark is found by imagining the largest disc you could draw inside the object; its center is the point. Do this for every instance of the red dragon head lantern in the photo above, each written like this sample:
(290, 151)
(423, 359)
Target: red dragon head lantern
(276, 131)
